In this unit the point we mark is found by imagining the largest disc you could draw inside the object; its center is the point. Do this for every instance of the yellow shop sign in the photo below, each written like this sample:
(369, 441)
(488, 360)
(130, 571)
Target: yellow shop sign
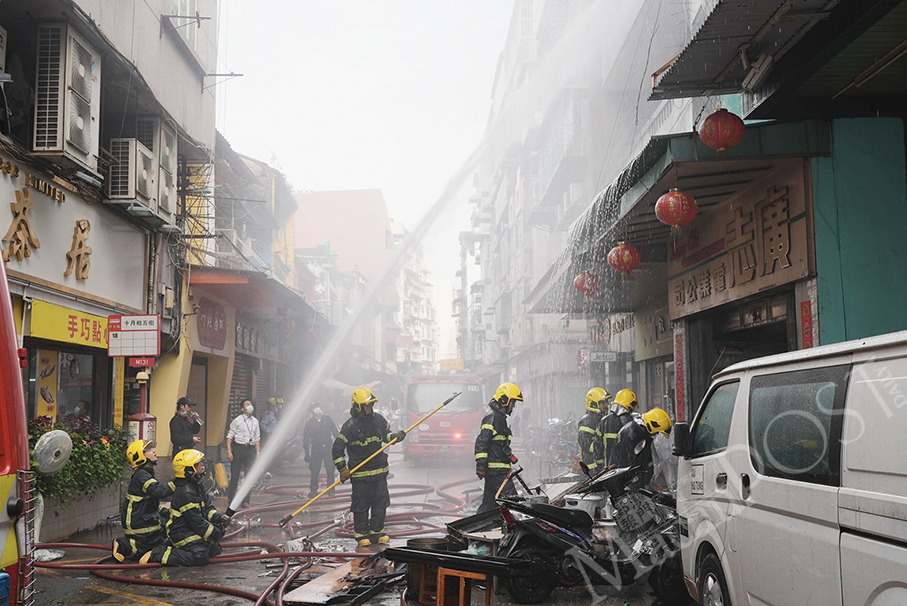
(58, 323)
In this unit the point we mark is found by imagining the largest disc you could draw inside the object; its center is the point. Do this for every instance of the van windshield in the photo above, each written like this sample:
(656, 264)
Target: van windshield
(424, 397)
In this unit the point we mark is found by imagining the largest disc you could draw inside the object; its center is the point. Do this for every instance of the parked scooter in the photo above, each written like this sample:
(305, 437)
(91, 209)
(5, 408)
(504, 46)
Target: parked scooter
(643, 544)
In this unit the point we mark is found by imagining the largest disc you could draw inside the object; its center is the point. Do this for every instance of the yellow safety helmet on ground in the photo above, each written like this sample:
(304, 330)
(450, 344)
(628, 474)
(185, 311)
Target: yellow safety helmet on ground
(361, 397)
(135, 453)
(507, 394)
(627, 399)
(595, 397)
(657, 420)
(184, 463)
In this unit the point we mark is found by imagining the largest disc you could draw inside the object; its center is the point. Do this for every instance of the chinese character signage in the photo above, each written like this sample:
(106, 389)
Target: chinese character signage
(58, 323)
(134, 336)
(653, 331)
(212, 324)
(738, 249)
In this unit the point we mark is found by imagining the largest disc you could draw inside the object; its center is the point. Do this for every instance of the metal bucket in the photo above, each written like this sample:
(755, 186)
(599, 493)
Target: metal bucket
(416, 572)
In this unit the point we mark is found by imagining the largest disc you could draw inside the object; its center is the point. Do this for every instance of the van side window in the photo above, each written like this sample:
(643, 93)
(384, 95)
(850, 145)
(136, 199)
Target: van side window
(795, 424)
(711, 431)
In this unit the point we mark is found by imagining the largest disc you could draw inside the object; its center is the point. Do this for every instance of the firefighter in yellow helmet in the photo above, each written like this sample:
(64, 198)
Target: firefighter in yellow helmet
(493, 454)
(622, 411)
(589, 436)
(361, 436)
(142, 514)
(195, 528)
(634, 444)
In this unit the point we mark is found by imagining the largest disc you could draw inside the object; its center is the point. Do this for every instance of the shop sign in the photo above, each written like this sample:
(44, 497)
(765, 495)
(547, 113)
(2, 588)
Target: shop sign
(582, 357)
(48, 367)
(806, 323)
(679, 368)
(452, 364)
(57, 323)
(742, 248)
(604, 329)
(248, 336)
(212, 324)
(137, 336)
(604, 356)
(119, 389)
(653, 331)
(141, 362)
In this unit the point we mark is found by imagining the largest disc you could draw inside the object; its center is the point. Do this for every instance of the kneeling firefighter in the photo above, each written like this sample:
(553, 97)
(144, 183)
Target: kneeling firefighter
(361, 436)
(589, 437)
(195, 528)
(634, 444)
(142, 514)
(493, 454)
(622, 412)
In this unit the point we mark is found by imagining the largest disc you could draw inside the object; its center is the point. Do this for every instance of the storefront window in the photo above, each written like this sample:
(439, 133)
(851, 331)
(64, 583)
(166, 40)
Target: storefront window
(63, 383)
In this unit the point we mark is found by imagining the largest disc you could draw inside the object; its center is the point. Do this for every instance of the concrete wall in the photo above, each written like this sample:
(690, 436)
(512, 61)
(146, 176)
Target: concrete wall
(860, 205)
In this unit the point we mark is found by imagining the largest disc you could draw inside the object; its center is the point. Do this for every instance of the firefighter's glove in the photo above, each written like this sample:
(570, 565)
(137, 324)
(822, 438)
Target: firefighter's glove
(400, 435)
(480, 473)
(344, 474)
(222, 521)
(217, 535)
(513, 459)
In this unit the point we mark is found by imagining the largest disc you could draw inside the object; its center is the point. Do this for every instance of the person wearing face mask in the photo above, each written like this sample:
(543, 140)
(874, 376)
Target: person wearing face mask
(243, 446)
(142, 514)
(183, 426)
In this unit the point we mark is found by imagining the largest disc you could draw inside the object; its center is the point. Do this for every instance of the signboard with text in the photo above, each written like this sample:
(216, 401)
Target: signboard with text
(58, 323)
(134, 336)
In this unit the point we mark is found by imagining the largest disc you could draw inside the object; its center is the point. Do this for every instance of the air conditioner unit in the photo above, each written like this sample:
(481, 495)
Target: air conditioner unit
(67, 97)
(160, 138)
(132, 176)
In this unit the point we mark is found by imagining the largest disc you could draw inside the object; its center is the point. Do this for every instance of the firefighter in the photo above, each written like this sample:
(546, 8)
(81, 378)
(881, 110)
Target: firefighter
(634, 444)
(142, 514)
(589, 436)
(361, 436)
(493, 454)
(621, 412)
(195, 528)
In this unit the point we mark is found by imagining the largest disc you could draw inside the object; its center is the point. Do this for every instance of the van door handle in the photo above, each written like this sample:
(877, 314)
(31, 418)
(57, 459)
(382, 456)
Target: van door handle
(721, 480)
(744, 486)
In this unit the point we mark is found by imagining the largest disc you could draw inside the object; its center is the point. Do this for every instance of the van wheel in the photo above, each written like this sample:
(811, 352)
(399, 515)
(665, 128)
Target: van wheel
(712, 584)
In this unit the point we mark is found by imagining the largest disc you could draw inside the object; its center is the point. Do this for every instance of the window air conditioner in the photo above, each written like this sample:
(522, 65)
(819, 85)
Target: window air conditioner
(160, 138)
(132, 176)
(67, 97)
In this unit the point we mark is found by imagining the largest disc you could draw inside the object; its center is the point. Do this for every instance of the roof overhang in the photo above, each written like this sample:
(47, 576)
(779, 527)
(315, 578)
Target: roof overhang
(248, 289)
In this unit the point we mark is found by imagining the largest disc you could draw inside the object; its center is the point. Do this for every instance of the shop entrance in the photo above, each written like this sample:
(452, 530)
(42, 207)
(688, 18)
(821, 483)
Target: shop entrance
(197, 389)
(735, 333)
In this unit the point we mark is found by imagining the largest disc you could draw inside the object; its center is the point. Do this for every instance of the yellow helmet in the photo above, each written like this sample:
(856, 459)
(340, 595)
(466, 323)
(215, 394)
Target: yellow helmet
(135, 452)
(657, 420)
(185, 461)
(361, 397)
(595, 397)
(627, 399)
(507, 394)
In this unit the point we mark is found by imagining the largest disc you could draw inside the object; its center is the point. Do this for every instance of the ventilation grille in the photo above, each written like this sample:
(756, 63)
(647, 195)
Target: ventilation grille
(144, 132)
(48, 91)
(80, 123)
(144, 175)
(119, 185)
(81, 72)
(166, 191)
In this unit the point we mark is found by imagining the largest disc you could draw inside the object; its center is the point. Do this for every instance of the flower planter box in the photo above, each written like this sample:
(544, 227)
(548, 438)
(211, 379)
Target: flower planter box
(82, 514)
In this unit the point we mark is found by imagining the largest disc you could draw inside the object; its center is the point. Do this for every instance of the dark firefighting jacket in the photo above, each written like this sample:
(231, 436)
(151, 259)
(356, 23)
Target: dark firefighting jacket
(319, 435)
(193, 518)
(493, 442)
(142, 512)
(589, 438)
(361, 436)
(609, 428)
(634, 448)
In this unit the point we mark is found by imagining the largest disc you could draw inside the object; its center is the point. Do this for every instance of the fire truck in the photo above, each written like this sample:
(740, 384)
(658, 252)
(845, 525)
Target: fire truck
(451, 432)
(17, 515)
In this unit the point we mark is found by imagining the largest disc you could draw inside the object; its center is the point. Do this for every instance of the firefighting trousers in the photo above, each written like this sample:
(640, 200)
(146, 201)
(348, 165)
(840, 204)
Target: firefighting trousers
(320, 457)
(370, 495)
(493, 481)
(136, 547)
(196, 554)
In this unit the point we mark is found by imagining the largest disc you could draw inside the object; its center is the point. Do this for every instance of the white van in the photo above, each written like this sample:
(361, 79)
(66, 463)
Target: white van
(792, 484)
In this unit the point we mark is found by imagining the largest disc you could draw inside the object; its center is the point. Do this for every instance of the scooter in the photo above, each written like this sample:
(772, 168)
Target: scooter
(643, 544)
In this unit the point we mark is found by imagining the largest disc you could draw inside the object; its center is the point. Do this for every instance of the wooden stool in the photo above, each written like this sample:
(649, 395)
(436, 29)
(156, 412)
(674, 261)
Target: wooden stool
(459, 592)
(428, 590)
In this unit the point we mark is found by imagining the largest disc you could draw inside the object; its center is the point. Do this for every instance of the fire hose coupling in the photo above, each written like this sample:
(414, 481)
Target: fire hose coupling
(15, 507)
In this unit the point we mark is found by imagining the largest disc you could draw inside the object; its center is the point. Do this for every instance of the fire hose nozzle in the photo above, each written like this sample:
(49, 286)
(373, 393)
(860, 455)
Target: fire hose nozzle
(285, 521)
(230, 512)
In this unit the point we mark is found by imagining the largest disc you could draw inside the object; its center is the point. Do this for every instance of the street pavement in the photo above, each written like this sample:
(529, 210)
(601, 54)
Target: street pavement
(72, 588)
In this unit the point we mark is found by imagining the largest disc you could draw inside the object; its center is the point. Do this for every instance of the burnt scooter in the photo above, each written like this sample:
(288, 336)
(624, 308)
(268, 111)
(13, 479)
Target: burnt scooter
(643, 544)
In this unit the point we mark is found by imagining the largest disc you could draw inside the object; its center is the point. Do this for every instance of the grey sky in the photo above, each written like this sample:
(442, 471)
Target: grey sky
(348, 94)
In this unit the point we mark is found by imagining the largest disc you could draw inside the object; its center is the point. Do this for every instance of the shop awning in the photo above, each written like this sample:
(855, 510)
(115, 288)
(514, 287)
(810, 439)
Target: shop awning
(247, 289)
(736, 45)
(625, 210)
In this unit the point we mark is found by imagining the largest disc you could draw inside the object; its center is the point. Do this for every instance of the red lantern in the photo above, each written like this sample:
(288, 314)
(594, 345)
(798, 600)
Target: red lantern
(722, 130)
(677, 209)
(586, 283)
(287, 325)
(624, 258)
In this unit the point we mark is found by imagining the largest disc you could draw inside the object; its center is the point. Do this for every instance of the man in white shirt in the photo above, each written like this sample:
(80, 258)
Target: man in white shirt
(243, 446)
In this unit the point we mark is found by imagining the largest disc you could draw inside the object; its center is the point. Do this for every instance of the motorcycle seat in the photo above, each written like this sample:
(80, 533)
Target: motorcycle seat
(559, 515)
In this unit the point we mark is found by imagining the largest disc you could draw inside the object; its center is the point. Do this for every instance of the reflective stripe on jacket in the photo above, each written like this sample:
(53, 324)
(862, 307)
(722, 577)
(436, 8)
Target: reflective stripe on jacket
(589, 437)
(142, 511)
(192, 516)
(361, 436)
(493, 442)
(609, 428)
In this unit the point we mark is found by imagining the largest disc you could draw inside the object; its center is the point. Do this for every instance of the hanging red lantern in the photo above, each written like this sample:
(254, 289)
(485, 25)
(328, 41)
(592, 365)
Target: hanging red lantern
(624, 258)
(677, 209)
(586, 283)
(722, 130)
(287, 325)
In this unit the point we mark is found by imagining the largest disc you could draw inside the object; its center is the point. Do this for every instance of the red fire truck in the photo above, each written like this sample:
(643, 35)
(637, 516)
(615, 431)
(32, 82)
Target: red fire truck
(16, 540)
(451, 432)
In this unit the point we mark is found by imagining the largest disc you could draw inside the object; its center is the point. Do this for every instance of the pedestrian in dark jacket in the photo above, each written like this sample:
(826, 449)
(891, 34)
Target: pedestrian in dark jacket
(195, 527)
(184, 426)
(361, 436)
(142, 514)
(589, 436)
(318, 436)
(493, 455)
